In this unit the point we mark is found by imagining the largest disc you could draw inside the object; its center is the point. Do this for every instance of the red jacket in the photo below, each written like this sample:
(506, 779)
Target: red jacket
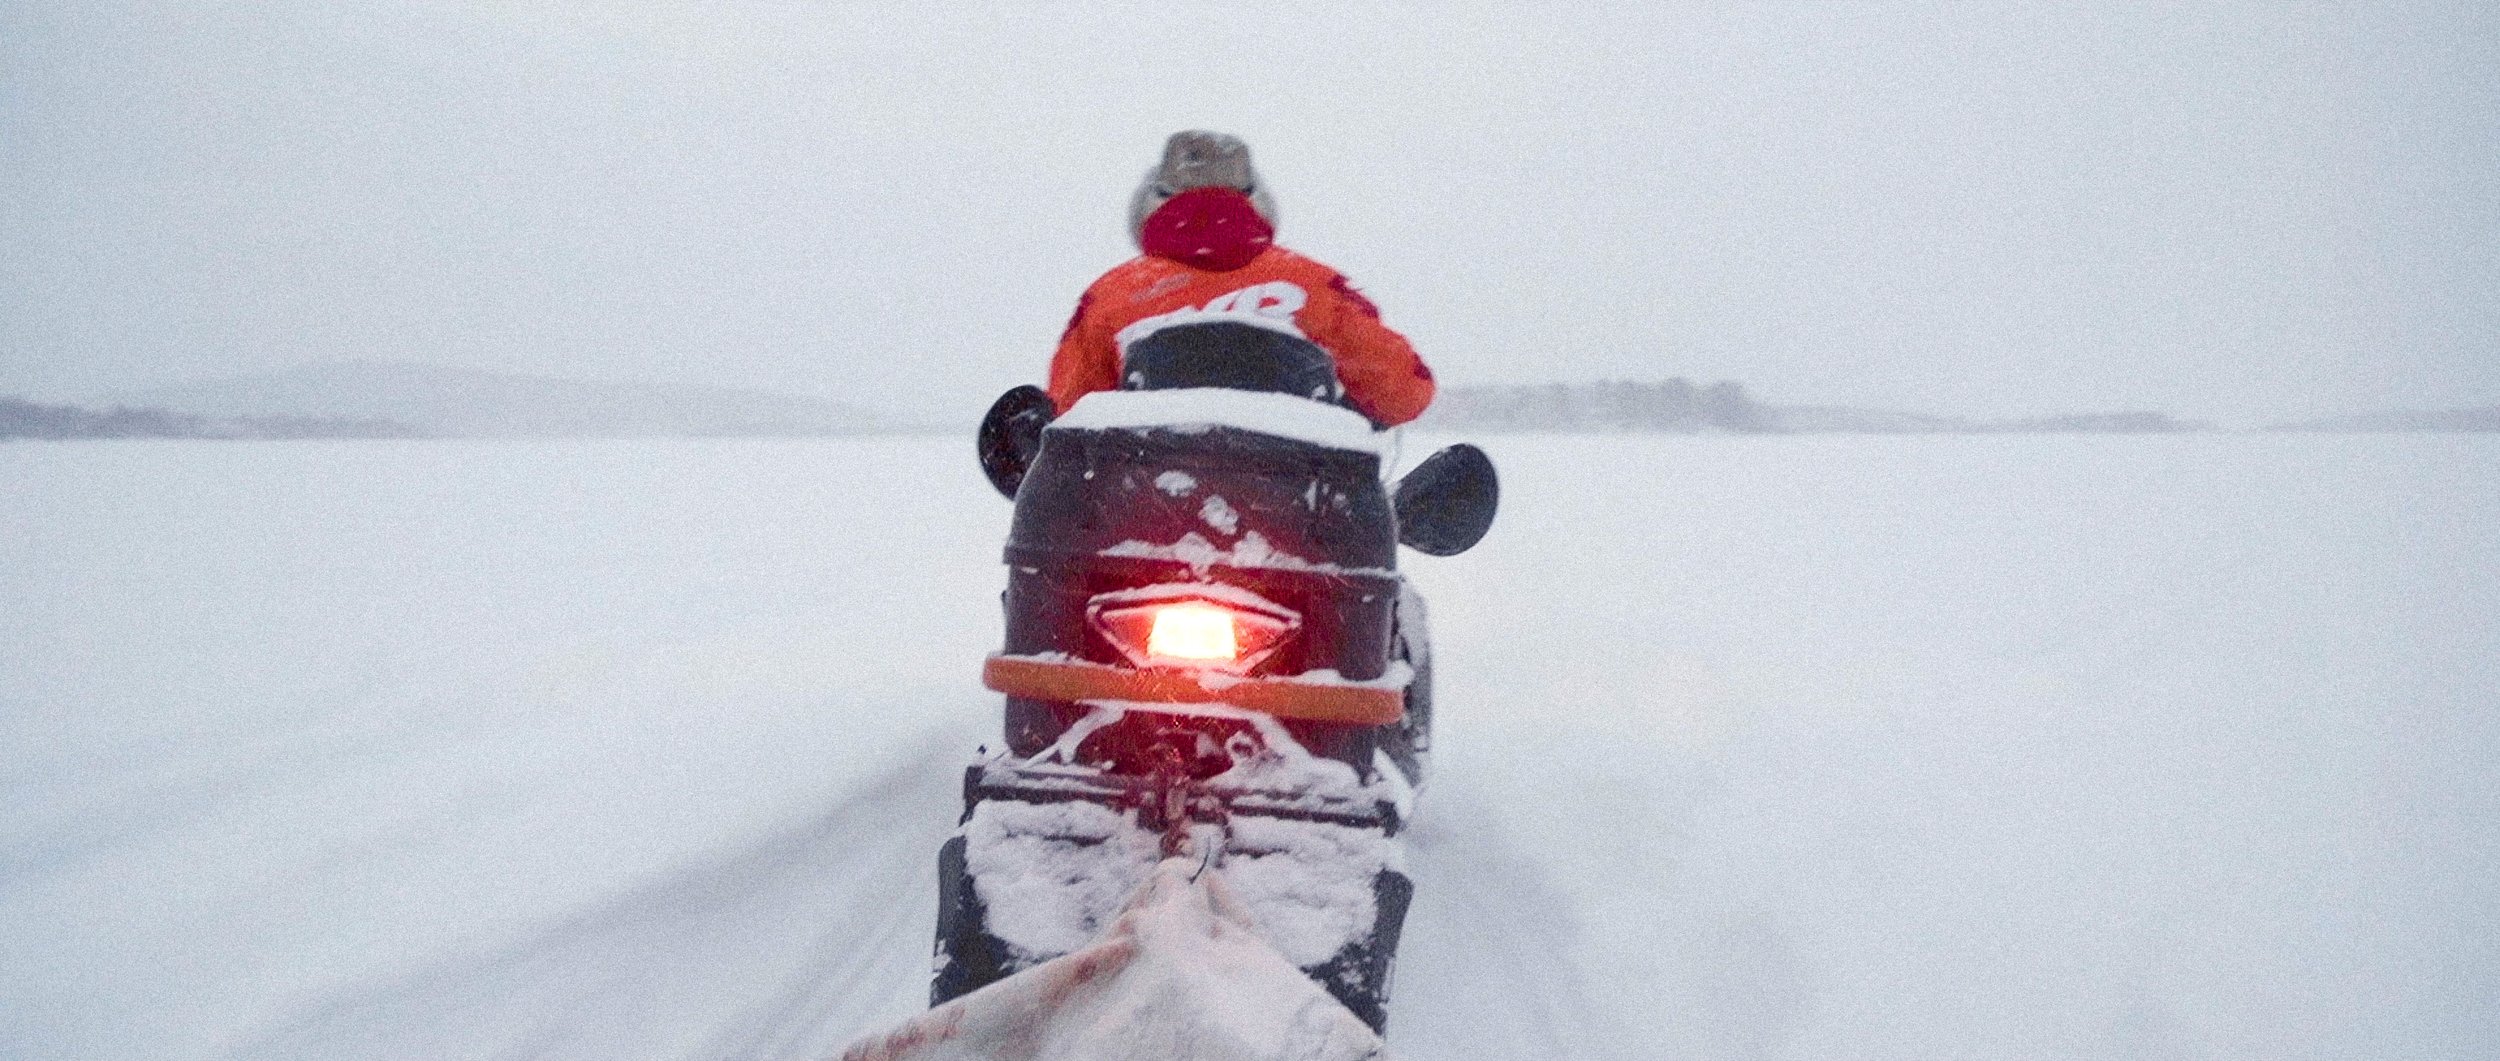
(1210, 257)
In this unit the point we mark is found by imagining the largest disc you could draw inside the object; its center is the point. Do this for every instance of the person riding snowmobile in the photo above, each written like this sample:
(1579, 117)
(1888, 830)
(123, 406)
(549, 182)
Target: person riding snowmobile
(1207, 228)
(1217, 684)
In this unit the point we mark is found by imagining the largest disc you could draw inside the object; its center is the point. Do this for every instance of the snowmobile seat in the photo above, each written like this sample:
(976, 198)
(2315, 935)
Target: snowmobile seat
(1233, 356)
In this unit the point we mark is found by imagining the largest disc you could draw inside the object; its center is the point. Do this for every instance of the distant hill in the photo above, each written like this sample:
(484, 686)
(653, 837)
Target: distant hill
(1825, 419)
(2132, 423)
(1679, 406)
(2484, 418)
(1672, 406)
(1836, 419)
(467, 403)
(20, 418)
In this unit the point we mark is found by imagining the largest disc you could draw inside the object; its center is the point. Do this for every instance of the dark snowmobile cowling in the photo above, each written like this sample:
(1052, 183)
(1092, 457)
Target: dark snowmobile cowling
(1109, 506)
(1210, 662)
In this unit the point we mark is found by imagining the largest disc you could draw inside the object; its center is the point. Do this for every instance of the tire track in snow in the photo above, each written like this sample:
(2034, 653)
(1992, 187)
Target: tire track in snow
(1484, 968)
(1575, 925)
(827, 922)
(853, 985)
(792, 946)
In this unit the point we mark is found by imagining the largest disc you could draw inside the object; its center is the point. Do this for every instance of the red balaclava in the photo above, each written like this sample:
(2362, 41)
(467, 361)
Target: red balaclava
(1215, 229)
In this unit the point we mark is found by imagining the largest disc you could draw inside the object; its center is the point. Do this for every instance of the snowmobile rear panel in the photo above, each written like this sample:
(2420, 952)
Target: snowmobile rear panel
(1144, 754)
(1304, 525)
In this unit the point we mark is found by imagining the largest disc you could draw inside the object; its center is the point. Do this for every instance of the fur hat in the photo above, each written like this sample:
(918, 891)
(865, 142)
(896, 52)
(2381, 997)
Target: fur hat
(1195, 158)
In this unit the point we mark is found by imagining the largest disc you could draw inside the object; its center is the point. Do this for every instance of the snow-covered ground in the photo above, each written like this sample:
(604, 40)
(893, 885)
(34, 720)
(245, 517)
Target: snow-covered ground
(1985, 747)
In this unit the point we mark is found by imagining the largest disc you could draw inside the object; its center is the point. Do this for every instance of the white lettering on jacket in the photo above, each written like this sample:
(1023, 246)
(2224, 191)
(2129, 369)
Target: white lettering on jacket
(1270, 305)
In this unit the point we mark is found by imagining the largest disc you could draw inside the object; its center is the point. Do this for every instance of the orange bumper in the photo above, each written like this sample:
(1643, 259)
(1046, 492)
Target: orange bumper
(1045, 679)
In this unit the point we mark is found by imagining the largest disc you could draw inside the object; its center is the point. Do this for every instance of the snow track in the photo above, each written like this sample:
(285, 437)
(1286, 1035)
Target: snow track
(1485, 968)
(770, 951)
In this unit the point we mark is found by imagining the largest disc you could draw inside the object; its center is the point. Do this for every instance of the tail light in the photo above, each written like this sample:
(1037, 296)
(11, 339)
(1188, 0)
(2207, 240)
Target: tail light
(1193, 624)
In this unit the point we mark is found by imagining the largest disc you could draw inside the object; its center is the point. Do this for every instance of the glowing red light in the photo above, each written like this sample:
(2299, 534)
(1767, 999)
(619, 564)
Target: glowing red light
(1178, 624)
(1193, 631)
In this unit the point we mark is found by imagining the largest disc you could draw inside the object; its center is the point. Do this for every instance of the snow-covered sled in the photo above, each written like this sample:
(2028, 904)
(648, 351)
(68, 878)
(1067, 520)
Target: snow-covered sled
(1182, 973)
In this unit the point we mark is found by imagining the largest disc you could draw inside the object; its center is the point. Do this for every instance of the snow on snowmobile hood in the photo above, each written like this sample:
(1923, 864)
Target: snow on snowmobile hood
(1182, 975)
(1282, 415)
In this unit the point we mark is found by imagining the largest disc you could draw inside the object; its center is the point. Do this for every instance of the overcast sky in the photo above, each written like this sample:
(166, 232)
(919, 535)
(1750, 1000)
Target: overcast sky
(2239, 212)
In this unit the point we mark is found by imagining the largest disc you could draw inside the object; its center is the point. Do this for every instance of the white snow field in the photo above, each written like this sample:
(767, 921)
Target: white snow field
(1932, 747)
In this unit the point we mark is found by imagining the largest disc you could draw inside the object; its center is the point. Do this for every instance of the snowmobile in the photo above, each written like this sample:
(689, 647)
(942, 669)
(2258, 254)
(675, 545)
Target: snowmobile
(1209, 657)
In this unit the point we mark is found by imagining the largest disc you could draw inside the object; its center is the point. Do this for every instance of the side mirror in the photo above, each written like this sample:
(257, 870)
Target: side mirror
(1011, 434)
(1446, 504)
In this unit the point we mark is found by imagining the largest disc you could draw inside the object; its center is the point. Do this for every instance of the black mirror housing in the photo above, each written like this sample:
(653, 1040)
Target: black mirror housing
(1011, 433)
(1447, 503)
